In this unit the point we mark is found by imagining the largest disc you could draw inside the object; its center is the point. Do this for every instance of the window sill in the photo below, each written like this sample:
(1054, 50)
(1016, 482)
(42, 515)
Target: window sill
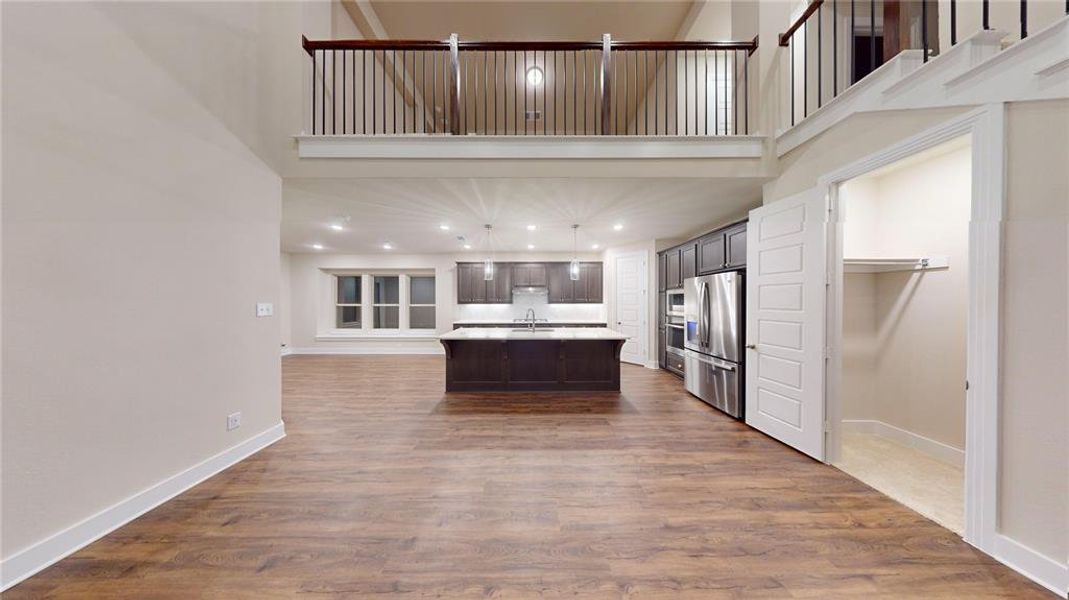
(342, 336)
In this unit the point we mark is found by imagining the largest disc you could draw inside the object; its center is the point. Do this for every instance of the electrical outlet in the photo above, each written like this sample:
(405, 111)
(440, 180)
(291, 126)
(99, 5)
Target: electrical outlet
(264, 309)
(233, 421)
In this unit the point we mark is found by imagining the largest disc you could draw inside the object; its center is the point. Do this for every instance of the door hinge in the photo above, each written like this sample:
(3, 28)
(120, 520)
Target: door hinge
(966, 385)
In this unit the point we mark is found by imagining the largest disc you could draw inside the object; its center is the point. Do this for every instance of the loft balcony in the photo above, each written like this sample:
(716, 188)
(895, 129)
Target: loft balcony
(472, 99)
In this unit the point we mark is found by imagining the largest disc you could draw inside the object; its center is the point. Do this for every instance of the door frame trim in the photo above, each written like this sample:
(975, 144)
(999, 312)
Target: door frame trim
(644, 259)
(987, 126)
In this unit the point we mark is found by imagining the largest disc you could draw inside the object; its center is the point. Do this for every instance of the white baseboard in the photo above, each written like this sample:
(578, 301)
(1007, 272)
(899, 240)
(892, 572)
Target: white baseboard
(1045, 571)
(287, 351)
(936, 450)
(41, 555)
(652, 364)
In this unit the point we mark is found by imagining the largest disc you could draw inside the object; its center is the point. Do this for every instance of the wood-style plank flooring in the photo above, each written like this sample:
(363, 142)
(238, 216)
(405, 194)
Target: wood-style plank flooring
(388, 487)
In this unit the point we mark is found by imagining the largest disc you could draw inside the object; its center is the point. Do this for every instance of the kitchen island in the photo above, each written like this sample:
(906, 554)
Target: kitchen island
(521, 359)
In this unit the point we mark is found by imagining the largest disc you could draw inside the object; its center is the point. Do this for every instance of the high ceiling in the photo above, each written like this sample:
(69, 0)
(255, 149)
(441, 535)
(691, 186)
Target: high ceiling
(527, 20)
(408, 213)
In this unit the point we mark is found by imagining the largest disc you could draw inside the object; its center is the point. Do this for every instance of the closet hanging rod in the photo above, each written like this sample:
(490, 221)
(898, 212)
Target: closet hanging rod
(888, 265)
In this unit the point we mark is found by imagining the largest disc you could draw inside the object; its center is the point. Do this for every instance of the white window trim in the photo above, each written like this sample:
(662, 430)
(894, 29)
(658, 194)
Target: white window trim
(327, 328)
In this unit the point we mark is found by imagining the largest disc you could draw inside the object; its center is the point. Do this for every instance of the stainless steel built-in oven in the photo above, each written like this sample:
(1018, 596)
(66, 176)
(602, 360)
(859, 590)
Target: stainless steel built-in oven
(674, 302)
(713, 323)
(674, 336)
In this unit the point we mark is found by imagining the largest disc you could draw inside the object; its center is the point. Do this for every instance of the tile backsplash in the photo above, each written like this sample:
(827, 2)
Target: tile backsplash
(538, 299)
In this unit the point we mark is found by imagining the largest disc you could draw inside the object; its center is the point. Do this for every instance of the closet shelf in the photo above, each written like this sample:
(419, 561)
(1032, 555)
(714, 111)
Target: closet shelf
(888, 265)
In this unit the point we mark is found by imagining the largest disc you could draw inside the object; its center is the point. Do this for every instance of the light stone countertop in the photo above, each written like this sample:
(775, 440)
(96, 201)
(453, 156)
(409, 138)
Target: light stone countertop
(558, 333)
(509, 321)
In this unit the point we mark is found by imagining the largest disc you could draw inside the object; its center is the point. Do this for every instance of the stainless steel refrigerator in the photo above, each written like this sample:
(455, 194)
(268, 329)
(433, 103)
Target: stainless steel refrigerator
(713, 352)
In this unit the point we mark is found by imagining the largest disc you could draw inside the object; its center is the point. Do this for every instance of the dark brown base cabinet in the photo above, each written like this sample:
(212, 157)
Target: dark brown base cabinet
(472, 287)
(532, 365)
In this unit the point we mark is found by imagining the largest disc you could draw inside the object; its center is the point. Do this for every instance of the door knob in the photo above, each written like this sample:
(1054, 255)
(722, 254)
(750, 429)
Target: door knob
(751, 346)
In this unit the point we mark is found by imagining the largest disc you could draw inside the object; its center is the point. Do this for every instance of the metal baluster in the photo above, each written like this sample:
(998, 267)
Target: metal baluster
(524, 77)
(805, 71)
(705, 79)
(986, 14)
(924, 29)
(1024, 19)
(545, 92)
(343, 102)
(716, 93)
(872, 35)
(746, 88)
(686, 99)
(791, 52)
(735, 92)
(333, 92)
(312, 104)
(853, 46)
(953, 22)
(820, 59)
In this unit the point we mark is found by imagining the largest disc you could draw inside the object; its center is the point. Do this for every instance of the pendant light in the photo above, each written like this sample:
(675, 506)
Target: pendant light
(488, 264)
(573, 268)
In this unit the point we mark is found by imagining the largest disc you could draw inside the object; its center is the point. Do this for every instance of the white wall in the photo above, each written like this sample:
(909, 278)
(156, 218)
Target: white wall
(311, 313)
(1034, 487)
(916, 355)
(139, 231)
(284, 301)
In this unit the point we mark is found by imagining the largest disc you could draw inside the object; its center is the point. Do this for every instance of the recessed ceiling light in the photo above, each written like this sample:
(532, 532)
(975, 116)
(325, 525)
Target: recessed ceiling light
(530, 246)
(317, 246)
(595, 246)
(443, 227)
(531, 227)
(467, 246)
(618, 226)
(387, 246)
(337, 227)
(535, 76)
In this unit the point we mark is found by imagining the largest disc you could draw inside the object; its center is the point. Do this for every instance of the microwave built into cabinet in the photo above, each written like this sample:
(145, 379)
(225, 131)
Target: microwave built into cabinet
(673, 304)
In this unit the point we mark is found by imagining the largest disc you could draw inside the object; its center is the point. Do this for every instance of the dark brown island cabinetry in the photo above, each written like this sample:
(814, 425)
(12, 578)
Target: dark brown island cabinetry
(532, 365)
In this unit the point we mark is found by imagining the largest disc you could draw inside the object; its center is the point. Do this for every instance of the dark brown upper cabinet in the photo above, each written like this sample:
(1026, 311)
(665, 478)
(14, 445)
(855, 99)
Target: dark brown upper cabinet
(585, 290)
(688, 261)
(472, 287)
(673, 269)
(735, 242)
(529, 275)
(711, 253)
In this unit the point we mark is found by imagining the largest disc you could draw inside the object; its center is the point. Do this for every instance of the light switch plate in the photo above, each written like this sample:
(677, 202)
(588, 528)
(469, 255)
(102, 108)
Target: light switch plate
(233, 421)
(264, 309)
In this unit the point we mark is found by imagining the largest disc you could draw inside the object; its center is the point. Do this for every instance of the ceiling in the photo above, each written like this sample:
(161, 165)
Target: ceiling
(408, 213)
(527, 20)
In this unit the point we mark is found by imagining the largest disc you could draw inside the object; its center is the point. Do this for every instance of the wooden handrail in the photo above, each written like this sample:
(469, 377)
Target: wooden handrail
(311, 46)
(785, 37)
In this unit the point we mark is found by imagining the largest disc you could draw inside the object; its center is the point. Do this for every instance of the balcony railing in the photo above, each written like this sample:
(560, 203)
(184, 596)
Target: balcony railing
(453, 87)
(836, 43)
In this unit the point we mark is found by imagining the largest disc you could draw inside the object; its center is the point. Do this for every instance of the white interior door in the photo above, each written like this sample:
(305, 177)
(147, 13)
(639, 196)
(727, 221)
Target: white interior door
(631, 305)
(785, 320)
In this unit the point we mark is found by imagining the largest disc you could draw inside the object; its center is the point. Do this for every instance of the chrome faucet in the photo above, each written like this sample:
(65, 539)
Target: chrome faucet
(530, 318)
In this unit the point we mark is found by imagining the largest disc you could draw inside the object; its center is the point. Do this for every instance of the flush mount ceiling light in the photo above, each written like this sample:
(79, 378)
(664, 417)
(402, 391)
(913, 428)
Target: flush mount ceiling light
(531, 227)
(387, 246)
(595, 246)
(618, 226)
(317, 246)
(467, 246)
(337, 227)
(535, 76)
(443, 227)
(530, 246)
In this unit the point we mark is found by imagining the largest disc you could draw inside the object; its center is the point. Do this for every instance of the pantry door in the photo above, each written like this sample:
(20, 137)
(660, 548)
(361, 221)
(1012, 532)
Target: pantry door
(785, 322)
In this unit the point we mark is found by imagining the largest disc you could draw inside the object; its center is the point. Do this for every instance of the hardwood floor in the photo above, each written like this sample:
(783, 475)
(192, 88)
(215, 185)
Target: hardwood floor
(387, 487)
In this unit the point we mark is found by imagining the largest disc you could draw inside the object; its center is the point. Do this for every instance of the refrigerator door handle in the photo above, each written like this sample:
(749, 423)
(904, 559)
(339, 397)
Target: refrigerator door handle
(706, 307)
